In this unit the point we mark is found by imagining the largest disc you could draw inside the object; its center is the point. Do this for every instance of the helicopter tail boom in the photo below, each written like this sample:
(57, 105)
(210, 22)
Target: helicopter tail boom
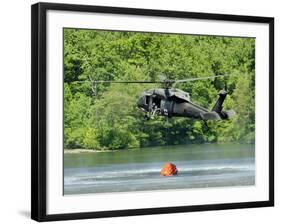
(223, 115)
(210, 116)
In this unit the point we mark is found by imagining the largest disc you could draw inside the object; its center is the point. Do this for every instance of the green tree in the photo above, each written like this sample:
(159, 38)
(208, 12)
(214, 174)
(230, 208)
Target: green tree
(110, 120)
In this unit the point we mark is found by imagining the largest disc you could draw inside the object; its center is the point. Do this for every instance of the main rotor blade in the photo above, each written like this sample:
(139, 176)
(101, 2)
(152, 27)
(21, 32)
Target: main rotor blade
(199, 78)
(148, 82)
(167, 81)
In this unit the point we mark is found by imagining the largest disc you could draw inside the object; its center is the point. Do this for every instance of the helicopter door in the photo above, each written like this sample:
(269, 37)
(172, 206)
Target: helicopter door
(156, 102)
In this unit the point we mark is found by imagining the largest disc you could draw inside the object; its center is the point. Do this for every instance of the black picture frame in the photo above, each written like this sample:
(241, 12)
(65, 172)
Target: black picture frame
(39, 108)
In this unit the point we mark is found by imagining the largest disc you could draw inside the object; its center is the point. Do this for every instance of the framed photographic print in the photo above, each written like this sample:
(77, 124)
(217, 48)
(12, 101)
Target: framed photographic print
(140, 111)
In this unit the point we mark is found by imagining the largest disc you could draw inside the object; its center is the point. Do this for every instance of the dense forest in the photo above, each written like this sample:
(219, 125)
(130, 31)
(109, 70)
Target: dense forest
(110, 119)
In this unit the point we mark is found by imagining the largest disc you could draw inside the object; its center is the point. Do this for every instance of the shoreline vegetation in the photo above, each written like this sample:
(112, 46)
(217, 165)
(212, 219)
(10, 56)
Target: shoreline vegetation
(74, 151)
(78, 151)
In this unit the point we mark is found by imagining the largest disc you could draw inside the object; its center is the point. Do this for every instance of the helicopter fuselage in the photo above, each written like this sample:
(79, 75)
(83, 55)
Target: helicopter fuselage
(177, 103)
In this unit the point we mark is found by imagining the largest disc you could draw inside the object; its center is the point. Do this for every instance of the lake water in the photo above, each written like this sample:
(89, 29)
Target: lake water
(199, 166)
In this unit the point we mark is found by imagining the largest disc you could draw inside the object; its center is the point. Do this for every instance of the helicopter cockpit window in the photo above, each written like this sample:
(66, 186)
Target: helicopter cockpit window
(146, 100)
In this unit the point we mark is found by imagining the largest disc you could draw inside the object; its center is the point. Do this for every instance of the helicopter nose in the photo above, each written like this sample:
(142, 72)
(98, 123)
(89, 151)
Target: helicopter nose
(141, 102)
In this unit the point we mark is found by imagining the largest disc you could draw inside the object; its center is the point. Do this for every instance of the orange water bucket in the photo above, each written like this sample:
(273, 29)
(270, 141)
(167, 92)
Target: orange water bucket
(169, 169)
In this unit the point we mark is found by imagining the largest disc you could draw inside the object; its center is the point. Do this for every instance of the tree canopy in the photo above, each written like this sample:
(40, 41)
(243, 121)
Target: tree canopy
(110, 119)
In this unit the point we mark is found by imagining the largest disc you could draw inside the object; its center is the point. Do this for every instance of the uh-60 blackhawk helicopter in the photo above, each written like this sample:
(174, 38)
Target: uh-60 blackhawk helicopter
(171, 102)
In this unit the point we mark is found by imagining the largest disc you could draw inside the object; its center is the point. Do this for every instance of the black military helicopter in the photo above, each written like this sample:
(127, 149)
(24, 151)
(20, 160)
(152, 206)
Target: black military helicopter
(171, 102)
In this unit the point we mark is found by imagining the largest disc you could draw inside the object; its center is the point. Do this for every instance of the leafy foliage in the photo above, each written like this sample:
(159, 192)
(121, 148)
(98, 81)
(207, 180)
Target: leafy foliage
(110, 119)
